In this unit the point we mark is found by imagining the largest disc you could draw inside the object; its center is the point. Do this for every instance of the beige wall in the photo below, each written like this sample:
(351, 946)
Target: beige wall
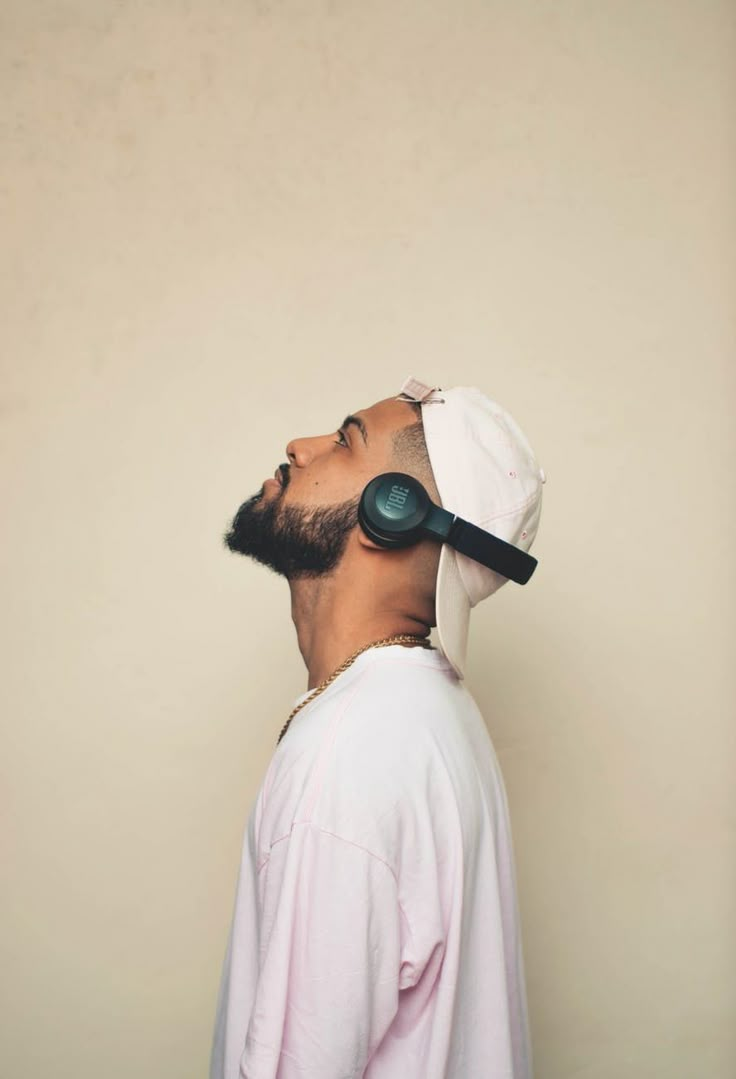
(227, 224)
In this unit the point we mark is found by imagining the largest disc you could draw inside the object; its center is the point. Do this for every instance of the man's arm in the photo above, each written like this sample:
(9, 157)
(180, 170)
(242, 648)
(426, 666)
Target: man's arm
(329, 959)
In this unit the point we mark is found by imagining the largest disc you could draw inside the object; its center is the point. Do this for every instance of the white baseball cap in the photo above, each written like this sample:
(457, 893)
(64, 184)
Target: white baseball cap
(486, 473)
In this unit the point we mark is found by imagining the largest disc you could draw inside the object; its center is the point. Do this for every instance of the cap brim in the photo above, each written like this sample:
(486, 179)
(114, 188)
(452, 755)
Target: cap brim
(452, 611)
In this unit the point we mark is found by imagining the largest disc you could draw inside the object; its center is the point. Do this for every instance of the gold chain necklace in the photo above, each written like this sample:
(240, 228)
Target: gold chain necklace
(400, 638)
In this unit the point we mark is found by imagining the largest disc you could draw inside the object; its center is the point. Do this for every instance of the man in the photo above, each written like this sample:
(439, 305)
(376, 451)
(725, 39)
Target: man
(375, 931)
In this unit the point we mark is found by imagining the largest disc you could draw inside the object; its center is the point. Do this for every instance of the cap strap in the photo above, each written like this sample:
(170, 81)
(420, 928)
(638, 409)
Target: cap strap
(419, 391)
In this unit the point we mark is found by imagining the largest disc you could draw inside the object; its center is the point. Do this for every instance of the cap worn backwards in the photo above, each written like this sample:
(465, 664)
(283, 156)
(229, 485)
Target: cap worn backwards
(486, 473)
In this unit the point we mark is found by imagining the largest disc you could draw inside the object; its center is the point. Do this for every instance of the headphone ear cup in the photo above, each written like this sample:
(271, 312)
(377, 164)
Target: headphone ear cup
(366, 523)
(392, 510)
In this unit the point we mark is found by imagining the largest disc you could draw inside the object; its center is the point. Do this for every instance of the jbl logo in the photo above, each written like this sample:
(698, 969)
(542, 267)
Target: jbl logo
(397, 498)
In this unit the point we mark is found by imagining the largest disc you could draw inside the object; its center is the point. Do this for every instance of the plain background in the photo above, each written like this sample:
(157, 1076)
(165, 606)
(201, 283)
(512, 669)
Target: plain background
(228, 223)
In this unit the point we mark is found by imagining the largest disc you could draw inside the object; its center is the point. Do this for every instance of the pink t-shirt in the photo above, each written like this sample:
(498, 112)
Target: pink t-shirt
(376, 930)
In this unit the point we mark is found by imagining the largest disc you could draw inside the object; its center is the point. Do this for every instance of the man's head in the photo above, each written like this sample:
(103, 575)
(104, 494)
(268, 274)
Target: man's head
(472, 458)
(299, 523)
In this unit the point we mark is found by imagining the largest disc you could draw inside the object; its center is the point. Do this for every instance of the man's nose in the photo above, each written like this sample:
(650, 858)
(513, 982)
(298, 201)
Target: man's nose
(302, 451)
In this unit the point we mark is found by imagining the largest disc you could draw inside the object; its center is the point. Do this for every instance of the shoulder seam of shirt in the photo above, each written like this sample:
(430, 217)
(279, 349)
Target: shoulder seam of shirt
(352, 843)
(334, 835)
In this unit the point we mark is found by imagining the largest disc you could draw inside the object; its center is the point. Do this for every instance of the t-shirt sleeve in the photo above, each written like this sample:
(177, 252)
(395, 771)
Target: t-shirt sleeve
(329, 959)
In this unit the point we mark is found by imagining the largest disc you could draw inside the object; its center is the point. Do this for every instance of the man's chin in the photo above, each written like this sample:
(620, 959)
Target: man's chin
(291, 540)
(238, 538)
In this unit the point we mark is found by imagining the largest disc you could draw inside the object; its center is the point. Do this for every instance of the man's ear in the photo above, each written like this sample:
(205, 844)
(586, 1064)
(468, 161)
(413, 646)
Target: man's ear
(366, 541)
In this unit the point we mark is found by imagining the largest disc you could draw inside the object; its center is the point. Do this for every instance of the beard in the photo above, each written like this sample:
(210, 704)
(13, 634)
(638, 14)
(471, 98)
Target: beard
(294, 541)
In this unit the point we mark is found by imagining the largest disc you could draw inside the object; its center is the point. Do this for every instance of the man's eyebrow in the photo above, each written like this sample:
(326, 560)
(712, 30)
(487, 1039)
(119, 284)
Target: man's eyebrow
(356, 422)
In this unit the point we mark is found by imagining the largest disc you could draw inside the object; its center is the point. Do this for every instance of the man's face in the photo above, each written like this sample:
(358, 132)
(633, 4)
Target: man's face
(299, 522)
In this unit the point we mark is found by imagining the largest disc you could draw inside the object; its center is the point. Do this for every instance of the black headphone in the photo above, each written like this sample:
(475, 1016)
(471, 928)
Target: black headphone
(396, 511)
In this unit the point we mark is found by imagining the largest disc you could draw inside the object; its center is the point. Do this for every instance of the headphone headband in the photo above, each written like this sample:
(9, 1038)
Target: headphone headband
(396, 511)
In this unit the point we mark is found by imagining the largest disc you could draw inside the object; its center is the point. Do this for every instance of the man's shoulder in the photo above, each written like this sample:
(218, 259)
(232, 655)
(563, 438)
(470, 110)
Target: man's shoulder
(400, 712)
(386, 682)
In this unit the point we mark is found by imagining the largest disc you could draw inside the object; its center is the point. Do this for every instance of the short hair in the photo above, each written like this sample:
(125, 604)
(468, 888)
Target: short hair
(410, 453)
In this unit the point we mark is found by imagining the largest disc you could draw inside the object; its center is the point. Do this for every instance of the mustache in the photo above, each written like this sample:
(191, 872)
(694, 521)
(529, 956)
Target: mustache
(285, 474)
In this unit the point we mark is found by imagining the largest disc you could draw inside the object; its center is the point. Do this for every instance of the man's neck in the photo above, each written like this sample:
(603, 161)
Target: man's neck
(333, 622)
